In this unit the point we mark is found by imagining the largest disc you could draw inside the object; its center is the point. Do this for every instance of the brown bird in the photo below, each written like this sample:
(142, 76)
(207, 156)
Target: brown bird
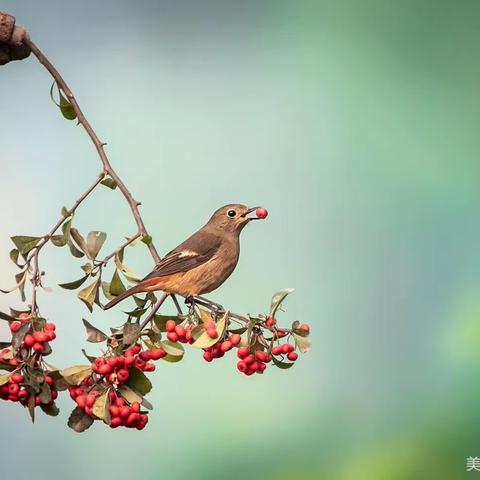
(202, 262)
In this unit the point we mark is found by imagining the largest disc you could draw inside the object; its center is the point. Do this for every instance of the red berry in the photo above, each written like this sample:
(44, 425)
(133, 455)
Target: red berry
(40, 337)
(24, 317)
(99, 361)
(209, 324)
(242, 352)
(270, 322)
(90, 400)
(249, 359)
(235, 339)
(17, 378)
(114, 411)
(277, 350)
(170, 325)
(81, 401)
(119, 402)
(261, 366)
(122, 375)
(280, 333)
(145, 355)
(129, 360)
(207, 356)
(212, 332)
(136, 407)
(105, 369)
(180, 331)
(226, 346)
(54, 394)
(287, 348)
(124, 411)
(13, 389)
(112, 361)
(292, 356)
(149, 367)
(242, 366)
(139, 363)
(261, 212)
(28, 341)
(262, 356)
(172, 336)
(22, 394)
(157, 353)
(48, 380)
(305, 327)
(15, 326)
(115, 422)
(38, 347)
(50, 326)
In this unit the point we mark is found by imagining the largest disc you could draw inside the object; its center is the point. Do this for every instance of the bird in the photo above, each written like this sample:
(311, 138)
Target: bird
(204, 261)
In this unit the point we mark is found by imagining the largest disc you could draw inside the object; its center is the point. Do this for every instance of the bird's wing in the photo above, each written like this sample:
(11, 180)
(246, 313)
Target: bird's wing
(195, 251)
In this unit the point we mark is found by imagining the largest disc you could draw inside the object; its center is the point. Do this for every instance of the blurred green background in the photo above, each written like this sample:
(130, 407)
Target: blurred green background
(356, 124)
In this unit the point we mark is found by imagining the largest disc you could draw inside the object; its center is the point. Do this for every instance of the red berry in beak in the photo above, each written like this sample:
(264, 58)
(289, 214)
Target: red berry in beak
(261, 212)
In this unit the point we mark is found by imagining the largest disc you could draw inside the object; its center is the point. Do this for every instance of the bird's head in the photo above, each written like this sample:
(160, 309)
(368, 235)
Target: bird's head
(232, 218)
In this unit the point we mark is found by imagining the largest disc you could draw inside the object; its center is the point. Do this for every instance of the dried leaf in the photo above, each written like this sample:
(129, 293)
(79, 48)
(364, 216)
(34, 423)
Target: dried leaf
(302, 343)
(75, 284)
(131, 331)
(277, 300)
(129, 395)
(100, 407)
(95, 241)
(4, 378)
(109, 182)
(75, 375)
(79, 420)
(79, 240)
(59, 240)
(50, 409)
(19, 335)
(129, 275)
(94, 335)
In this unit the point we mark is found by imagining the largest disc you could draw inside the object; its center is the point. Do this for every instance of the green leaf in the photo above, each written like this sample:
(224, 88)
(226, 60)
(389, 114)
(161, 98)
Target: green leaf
(14, 256)
(129, 395)
(138, 381)
(147, 239)
(65, 212)
(106, 290)
(116, 285)
(75, 375)
(129, 275)
(79, 420)
(24, 243)
(279, 364)
(100, 407)
(94, 335)
(204, 341)
(89, 294)
(302, 343)
(66, 107)
(74, 250)
(95, 241)
(109, 182)
(75, 284)
(277, 300)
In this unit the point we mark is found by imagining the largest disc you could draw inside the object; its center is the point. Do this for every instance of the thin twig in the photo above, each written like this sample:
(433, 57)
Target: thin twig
(155, 309)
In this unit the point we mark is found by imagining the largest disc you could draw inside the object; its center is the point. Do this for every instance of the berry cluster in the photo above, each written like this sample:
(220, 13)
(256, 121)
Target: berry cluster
(127, 416)
(252, 362)
(285, 349)
(116, 368)
(219, 349)
(179, 333)
(16, 390)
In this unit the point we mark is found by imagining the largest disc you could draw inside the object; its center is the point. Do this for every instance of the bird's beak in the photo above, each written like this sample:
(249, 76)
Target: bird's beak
(250, 210)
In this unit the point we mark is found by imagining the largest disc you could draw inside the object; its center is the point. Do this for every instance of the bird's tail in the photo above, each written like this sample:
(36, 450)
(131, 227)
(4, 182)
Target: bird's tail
(122, 296)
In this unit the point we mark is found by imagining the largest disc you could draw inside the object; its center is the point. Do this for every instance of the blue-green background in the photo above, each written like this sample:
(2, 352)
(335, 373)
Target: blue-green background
(356, 124)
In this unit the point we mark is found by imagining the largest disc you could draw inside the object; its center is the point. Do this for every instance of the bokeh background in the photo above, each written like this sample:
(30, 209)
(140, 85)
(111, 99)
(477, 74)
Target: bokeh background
(356, 124)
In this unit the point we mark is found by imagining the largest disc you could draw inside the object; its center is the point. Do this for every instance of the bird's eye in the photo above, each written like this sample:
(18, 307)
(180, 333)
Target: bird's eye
(231, 213)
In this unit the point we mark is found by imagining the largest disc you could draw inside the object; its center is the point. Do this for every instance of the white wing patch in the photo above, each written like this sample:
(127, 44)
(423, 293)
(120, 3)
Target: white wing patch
(187, 253)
